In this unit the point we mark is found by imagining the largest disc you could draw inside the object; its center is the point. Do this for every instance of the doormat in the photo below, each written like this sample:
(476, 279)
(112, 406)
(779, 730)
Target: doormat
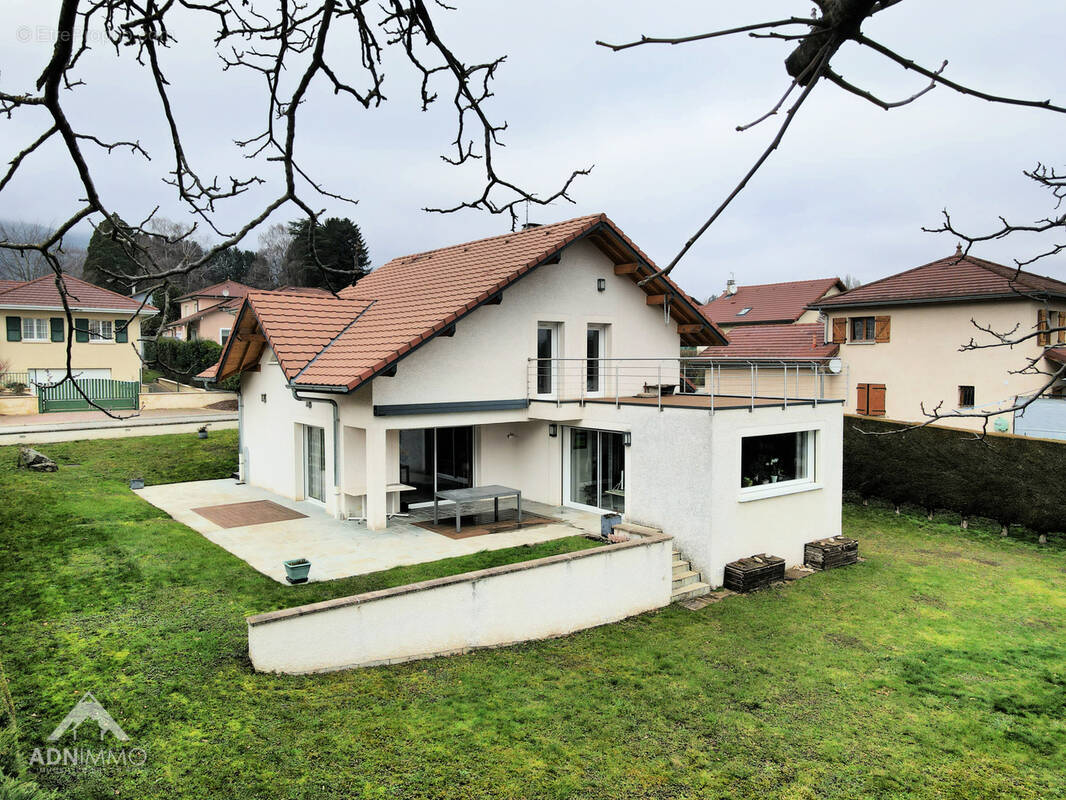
(482, 524)
(237, 515)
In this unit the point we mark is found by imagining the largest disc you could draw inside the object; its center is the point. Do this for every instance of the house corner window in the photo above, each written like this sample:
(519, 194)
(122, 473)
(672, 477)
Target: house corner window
(778, 459)
(101, 330)
(223, 335)
(862, 329)
(34, 330)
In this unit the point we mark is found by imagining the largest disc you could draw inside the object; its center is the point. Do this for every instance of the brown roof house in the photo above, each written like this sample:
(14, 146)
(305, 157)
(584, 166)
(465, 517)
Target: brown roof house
(901, 337)
(208, 313)
(534, 360)
(769, 303)
(104, 340)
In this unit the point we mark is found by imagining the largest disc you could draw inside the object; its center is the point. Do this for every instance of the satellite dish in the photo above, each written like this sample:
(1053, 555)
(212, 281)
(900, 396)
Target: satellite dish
(835, 365)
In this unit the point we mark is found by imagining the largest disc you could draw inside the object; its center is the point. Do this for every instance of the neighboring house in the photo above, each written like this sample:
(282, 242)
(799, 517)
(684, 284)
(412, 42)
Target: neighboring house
(104, 342)
(900, 338)
(769, 303)
(790, 360)
(208, 313)
(534, 360)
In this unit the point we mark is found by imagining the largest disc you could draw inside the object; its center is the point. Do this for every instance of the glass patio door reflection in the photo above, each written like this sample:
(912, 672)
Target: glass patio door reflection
(596, 470)
(435, 459)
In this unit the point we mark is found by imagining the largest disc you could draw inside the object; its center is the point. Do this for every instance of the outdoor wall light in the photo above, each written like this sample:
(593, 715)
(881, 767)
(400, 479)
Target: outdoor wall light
(263, 398)
(553, 430)
(601, 284)
(627, 438)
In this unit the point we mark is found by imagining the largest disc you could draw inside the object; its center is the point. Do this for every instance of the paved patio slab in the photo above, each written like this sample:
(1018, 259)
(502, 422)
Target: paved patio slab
(338, 548)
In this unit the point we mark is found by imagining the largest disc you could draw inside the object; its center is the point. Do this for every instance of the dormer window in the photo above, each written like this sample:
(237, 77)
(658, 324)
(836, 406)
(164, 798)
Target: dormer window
(743, 311)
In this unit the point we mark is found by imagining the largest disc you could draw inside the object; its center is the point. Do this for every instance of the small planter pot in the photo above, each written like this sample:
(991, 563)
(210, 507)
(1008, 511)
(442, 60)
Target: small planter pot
(136, 483)
(296, 570)
(201, 434)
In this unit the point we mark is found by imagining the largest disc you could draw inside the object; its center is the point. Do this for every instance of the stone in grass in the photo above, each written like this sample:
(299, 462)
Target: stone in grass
(35, 460)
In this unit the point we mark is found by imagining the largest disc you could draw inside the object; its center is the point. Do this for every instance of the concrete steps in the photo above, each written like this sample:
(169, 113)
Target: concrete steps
(688, 583)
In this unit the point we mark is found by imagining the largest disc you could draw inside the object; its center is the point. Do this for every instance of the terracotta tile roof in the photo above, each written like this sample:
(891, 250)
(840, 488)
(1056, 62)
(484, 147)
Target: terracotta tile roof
(769, 302)
(408, 301)
(955, 278)
(5, 285)
(305, 290)
(225, 305)
(299, 326)
(790, 342)
(83, 296)
(223, 289)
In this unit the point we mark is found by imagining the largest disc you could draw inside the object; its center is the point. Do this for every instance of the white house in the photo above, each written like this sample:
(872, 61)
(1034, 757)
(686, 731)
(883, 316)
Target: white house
(533, 360)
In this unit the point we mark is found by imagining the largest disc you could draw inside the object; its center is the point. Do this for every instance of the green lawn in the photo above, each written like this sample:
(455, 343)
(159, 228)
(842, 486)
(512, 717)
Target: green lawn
(935, 669)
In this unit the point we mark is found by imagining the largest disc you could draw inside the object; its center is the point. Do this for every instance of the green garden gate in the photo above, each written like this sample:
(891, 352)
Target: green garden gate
(105, 393)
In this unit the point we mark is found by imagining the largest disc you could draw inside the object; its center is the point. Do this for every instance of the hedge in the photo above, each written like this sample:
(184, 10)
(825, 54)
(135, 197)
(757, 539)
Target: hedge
(181, 360)
(1010, 479)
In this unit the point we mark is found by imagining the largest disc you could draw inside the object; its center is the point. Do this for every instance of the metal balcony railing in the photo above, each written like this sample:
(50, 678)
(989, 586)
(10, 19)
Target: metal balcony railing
(689, 382)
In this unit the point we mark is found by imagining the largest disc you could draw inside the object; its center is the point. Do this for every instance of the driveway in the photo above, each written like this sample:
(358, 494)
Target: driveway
(339, 548)
(65, 426)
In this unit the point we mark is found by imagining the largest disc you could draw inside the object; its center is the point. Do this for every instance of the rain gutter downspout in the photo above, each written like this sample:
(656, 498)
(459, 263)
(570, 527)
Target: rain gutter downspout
(336, 433)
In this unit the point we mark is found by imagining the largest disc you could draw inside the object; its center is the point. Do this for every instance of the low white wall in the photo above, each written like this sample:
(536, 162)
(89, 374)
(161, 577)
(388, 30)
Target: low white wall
(489, 608)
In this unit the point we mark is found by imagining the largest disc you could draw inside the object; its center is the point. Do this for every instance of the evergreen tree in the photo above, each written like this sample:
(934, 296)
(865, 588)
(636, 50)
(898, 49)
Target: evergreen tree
(328, 255)
(107, 260)
(231, 264)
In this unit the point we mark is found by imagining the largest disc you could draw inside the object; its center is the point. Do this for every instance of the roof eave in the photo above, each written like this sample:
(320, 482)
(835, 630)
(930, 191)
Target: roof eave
(1034, 294)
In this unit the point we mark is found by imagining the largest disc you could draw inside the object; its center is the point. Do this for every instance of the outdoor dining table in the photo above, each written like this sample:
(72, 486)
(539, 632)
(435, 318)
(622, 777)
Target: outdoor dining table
(473, 494)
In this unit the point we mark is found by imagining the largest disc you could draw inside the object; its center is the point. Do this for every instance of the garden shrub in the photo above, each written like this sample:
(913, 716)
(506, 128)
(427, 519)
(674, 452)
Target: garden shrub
(1010, 479)
(182, 361)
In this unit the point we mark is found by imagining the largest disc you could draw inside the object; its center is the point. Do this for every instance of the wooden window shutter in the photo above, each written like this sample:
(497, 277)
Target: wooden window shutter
(876, 393)
(14, 329)
(840, 330)
(121, 336)
(1043, 338)
(882, 328)
(56, 324)
(862, 401)
(1062, 327)
(81, 330)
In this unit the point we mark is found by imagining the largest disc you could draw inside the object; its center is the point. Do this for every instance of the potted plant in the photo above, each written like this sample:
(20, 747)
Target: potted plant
(136, 483)
(202, 431)
(296, 570)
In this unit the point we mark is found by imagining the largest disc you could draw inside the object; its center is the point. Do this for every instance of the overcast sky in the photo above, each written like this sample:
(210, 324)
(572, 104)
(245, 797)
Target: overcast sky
(848, 192)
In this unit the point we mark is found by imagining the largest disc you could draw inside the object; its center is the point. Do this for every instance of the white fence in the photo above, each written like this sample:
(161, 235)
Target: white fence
(504, 605)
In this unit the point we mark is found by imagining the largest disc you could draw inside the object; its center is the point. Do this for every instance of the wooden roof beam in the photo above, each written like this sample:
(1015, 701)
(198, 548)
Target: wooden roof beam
(686, 327)
(656, 299)
(626, 269)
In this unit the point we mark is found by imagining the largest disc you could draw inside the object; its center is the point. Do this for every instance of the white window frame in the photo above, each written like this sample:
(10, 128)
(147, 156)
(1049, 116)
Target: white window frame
(806, 484)
(227, 331)
(556, 329)
(98, 336)
(38, 322)
(601, 356)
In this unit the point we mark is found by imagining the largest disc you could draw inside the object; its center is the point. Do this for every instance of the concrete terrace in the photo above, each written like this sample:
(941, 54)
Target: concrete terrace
(342, 548)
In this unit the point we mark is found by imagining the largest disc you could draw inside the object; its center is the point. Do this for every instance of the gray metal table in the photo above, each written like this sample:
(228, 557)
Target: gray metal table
(460, 496)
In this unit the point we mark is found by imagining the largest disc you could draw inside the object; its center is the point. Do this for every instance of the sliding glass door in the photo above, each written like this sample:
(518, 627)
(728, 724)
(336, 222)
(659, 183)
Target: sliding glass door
(595, 470)
(435, 459)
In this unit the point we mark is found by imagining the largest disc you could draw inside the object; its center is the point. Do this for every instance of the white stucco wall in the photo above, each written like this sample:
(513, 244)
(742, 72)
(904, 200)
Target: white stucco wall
(487, 357)
(504, 605)
(683, 477)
